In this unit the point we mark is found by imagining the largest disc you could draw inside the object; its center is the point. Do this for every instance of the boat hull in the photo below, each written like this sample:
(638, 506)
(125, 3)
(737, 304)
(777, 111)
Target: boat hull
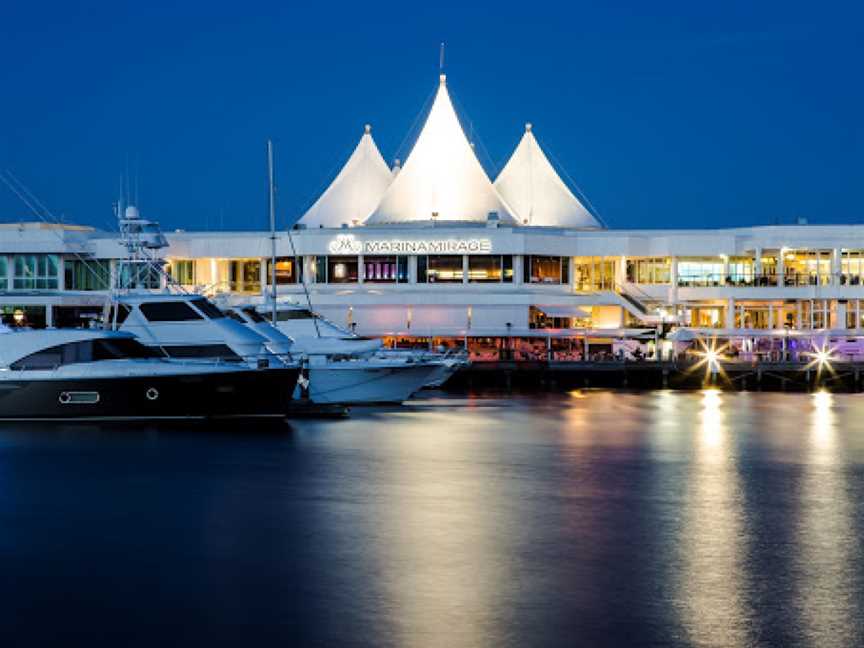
(204, 395)
(348, 385)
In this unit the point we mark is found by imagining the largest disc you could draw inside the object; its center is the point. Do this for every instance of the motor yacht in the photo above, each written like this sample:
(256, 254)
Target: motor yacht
(82, 374)
(191, 327)
(342, 368)
(310, 330)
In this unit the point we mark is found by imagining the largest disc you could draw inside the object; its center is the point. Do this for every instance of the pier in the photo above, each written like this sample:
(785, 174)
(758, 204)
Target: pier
(674, 374)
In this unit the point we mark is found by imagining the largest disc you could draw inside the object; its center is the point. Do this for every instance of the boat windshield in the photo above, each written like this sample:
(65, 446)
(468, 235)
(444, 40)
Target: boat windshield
(208, 308)
(294, 314)
(254, 315)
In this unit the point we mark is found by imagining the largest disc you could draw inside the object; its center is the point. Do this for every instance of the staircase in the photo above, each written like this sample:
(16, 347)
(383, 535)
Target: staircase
(633, 301)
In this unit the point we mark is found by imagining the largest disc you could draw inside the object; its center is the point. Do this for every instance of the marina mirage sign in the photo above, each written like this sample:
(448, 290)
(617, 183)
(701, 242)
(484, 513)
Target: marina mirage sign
(349, 244)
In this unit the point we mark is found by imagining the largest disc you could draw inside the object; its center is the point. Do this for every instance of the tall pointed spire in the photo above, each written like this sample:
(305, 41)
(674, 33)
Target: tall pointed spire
(442, 178)
(355, 191)
(530, 184)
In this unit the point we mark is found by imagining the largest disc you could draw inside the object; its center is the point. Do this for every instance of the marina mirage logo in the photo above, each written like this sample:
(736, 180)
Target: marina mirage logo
(345, 244)
(348, 244)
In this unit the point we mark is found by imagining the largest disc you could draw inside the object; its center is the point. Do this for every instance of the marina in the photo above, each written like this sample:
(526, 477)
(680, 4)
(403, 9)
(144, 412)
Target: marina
(450, 325)
(428, 272)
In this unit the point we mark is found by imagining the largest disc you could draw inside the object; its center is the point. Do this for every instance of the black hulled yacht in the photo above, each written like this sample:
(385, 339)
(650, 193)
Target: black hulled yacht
(77, 374)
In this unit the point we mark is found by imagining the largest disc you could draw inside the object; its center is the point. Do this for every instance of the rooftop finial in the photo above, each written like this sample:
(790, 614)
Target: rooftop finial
(368, 128)
(442, 78)
(528, 126)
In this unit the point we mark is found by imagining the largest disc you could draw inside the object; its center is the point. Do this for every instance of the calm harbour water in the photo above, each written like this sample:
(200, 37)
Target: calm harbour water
(595, 518)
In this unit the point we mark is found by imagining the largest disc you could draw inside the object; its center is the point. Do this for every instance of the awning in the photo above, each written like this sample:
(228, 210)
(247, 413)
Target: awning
(564, 311)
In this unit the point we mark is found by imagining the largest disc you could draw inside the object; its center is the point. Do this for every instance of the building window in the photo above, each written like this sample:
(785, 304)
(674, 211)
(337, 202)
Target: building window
(814, 313)
(244, 276)
(854, 314)
(385, 269)
(851, 267)
(87, 275)
(319, 267)
(490, 268)
(342, 269)
(145, 274)
(649, 271)
(442, 268)
(807, 268)
(594, 273)
(182, 271)
(707, 271)
(36, 272)
(289, 270)
(4, 273)
(546, 270)
(741, 272)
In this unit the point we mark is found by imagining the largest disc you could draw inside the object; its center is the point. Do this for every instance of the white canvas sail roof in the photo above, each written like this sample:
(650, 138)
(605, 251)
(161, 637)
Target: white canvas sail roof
(530, 185)
(442, 179)
(355, 191)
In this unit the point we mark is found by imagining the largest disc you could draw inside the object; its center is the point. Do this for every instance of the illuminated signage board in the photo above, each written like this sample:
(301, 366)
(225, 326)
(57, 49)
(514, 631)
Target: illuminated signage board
(348, 244)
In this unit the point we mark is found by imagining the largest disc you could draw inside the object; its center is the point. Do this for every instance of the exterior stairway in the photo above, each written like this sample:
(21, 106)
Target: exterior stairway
(633, 304)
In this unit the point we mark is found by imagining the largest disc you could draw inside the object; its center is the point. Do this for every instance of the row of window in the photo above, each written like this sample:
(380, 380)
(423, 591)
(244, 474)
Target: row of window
(41, 271)
(31, 271)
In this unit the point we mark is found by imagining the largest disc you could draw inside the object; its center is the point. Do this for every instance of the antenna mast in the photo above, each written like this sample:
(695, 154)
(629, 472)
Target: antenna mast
(441, 59)
(272, 199)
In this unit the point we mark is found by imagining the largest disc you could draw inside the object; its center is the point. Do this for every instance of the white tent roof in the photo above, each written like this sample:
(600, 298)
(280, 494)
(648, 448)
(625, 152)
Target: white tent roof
(531, 186)
(441, 177)
(355, 192)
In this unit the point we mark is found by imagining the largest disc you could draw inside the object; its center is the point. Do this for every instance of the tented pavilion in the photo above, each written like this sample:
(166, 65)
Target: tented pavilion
(443, 181)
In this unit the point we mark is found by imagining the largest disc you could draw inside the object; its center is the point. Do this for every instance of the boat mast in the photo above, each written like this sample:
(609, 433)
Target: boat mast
(272, 197)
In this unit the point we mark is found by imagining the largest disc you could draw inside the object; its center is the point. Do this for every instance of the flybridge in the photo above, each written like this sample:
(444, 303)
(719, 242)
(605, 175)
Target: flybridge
(348, 244)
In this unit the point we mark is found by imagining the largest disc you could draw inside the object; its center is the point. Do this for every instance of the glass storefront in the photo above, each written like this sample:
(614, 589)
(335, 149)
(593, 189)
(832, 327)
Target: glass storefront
(35, 272)
(385, 269)
(244, 276)
(546, 269)
(289, 270)
(342, 269)
(491, 268)
(442, 268)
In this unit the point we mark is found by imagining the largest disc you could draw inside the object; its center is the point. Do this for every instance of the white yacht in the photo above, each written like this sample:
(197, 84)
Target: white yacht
(190, 327)
(81, 374)
(343, 368)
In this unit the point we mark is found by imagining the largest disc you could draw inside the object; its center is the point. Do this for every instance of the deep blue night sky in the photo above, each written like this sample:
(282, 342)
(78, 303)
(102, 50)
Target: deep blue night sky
(673, 114)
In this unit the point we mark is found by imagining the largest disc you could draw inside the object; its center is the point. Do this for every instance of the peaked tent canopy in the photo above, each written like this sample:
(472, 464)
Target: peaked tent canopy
(529, 183)
(442, 178)
(355, 191)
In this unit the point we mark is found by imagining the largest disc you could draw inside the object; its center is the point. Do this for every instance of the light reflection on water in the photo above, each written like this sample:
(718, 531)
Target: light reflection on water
(595, 518)
(827, 537)
(711, 590)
